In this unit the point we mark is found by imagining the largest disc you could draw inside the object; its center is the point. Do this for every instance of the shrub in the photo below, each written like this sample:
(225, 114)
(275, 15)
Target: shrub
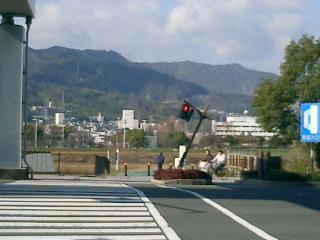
(285, 176)
(254, 174)
(315, 177)
(176, 173)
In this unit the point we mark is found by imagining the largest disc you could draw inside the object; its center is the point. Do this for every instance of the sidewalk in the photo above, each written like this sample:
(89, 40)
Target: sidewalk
(93, 178)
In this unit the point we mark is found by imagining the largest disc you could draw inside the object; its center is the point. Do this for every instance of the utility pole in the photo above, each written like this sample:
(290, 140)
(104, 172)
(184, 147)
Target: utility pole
(36, 135)
(117, 154)
(124, 133)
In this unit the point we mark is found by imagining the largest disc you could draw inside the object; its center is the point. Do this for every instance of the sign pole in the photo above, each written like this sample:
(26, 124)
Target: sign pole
(312, 157)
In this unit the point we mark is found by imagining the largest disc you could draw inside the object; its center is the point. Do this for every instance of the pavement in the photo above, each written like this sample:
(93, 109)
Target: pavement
(239, 211)
(228, 209)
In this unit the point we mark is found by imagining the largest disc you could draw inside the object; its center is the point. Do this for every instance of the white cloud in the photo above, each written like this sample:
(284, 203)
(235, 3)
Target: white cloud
(250, 32)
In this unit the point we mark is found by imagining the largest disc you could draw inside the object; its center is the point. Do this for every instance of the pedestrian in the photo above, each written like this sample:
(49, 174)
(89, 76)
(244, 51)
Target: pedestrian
(160, 161)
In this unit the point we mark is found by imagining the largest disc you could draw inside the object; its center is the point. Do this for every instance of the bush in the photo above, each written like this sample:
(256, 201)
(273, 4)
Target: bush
(315, 177)
(285, 176)
(254, 174)
(176, 173)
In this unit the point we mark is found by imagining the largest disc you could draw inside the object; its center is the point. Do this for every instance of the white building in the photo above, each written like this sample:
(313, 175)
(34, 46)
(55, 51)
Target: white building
(100, 118)
(128, 120)
(99, 137)
(144, 125)
(59, 119)
(240, 125)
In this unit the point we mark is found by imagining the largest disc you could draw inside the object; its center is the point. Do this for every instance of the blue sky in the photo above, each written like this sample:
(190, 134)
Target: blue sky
(252, 33)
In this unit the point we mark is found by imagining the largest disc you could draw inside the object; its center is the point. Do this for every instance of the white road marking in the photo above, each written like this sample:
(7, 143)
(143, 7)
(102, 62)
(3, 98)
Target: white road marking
(75, 219)
(86, 237)
(70, 213)
(228, 213)
(71, 204)
(78, 231)
(169, 232)
(35, 213)
(67, 199)
(75, 225)
(73, 208)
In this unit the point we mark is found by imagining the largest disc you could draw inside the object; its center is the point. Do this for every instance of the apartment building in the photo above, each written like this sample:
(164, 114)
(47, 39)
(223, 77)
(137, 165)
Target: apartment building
(240, 125)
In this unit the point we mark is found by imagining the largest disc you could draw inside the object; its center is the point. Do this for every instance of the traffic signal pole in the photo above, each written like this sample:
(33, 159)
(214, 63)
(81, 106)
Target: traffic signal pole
(202, 115)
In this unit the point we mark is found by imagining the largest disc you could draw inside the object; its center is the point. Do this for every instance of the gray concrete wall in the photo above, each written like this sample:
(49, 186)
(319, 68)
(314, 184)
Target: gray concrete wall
(11, 65)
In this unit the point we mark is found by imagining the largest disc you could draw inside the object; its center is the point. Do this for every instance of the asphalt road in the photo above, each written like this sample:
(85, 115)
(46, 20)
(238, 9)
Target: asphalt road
(284, 211)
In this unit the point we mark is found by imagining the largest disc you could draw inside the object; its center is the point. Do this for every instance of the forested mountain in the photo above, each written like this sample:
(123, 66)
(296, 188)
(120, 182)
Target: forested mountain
(104, 81)
(230, 78)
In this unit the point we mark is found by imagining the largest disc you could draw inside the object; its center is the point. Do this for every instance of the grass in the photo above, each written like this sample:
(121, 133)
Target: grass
(83, 162)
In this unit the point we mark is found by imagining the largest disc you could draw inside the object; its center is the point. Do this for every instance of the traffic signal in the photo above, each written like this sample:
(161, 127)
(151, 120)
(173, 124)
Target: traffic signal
(186, 111)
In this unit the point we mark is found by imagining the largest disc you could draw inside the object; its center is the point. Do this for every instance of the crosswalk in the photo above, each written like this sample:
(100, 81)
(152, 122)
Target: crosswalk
(77, 210)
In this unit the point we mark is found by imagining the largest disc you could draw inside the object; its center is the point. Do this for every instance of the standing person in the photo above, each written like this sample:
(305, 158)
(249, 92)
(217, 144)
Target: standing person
(160, 161)
(219, 161)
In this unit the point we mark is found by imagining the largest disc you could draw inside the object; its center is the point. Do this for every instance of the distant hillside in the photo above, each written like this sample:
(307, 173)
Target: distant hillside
(230, 78)
(104, 81)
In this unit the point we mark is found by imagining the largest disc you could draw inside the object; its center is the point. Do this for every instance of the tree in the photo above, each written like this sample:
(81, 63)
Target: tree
(277, 103)
(175, 139)
(137, 138)
(211, 140)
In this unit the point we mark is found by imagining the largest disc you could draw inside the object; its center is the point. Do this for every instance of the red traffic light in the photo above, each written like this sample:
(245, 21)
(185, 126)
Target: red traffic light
(186, 111)
(185, 108)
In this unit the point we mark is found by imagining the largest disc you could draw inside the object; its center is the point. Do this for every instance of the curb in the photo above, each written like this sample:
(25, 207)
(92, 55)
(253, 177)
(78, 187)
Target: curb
(182, 181)
(3, 181)
(279, 183)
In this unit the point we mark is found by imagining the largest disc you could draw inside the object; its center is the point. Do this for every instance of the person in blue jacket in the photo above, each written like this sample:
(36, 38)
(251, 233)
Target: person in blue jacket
(160, 161)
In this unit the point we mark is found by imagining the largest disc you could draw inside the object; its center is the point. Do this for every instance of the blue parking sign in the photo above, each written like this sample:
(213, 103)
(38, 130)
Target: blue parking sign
(310, 122)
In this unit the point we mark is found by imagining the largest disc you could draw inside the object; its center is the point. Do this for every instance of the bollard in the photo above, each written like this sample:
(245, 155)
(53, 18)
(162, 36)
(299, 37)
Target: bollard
(59, 163)
(126, 169)
(192, 166)
(170, 165)
(148, 169)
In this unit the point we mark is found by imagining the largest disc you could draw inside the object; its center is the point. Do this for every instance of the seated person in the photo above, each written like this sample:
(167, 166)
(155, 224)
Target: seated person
(204, 164)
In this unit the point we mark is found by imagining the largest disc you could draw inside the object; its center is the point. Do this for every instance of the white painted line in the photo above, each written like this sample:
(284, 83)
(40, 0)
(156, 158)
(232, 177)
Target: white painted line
(75, 225)
(40, 193)
(86, 237)
(64, 183)
(13, 190)
(91, 231)
(75, 219)
(72, 208)
(168, 231)
(70, 213)
(121, 198)
(75, 204)
(230, 214)
(67, 199)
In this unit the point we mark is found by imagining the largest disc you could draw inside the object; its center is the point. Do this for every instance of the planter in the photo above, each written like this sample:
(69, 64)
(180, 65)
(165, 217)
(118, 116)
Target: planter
(182, 181)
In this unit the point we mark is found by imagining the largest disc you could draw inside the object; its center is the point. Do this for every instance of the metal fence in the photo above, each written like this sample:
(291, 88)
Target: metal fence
(40, 162)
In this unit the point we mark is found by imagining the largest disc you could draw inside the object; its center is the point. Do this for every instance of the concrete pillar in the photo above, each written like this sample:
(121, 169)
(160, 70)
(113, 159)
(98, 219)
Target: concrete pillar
(11, 65)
